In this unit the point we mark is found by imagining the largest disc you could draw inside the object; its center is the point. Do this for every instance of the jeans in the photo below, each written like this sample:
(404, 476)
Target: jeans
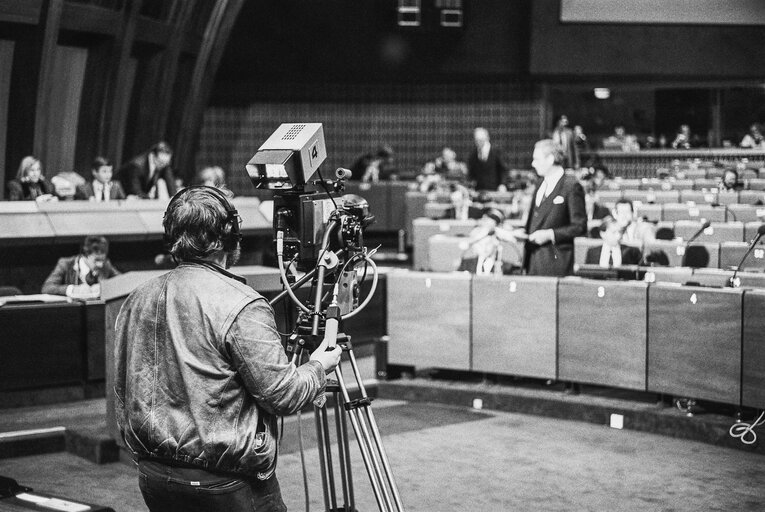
(169, 488)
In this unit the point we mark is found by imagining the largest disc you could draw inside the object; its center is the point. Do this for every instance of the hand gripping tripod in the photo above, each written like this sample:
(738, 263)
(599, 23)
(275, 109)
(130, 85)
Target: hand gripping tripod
(307, 336)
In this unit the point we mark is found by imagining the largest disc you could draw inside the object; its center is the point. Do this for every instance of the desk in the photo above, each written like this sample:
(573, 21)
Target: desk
(753, 370)
(423, 229)
(429, 319)
(514, 325)
(602, 334)
(46, 345)
(694, 342)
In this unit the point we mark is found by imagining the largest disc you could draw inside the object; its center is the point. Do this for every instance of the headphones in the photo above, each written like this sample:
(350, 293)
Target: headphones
(231, 236)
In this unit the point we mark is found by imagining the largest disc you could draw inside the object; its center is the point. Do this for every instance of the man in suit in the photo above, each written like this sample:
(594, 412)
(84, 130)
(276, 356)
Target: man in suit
(634, 230)
(563, 136)
(80, 276)
(149, 175)
(102, 188)
(612, 253)
(486, 166)
(557, 215)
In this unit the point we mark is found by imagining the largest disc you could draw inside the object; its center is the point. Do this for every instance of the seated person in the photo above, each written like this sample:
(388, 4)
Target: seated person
(373, 167)
(612, 253)
(634, 230)
(80, 276)
(213, 176)
(444, 167)
(149, 175)
(753, 139)
(102, 188)
(729, 182)
(684, 139)
(30, 184)
(484, 252)
(65, 184)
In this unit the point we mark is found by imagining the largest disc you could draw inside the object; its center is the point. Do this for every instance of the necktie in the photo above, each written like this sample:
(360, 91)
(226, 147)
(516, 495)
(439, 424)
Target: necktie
(611, 258)
(103, 192)
(91, 278)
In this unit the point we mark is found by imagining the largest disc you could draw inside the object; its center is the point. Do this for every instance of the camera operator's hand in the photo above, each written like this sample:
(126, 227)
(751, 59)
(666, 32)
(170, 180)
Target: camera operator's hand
(328, 359)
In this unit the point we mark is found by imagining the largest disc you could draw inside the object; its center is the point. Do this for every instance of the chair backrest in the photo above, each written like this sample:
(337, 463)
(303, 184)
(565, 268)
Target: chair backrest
(698, 197)
(717, 232)
(675, 212)
(705, 184)
(745, 212)
(581, 246)
(649, 212)
(9, 290)
(732, 252)
(751, 197)
(756, 184)
(674, 254)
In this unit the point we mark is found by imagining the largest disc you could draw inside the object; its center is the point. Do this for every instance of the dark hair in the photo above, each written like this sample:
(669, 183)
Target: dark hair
(196, 223)
(99, 162)
(95, 244)
(161, 147)
(495, 214)
(625, 201)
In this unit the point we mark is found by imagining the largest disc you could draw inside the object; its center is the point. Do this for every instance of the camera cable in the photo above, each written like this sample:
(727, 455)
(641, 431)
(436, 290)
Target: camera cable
(745, 431)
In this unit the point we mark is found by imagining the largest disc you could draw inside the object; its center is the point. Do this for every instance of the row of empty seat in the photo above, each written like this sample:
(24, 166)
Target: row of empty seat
(682, 196)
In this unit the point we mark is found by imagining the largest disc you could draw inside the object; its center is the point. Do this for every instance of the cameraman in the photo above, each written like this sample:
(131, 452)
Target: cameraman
(201, 375)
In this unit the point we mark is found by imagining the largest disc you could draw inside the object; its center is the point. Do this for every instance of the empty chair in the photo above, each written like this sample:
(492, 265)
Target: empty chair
(715, 172)
(439, 210)
(751, 197)
(727, 197)
(676, 254)
(750, 231)
(664, 196)
(747, 174)
(705, 184)
(637, 195)
(608, 196)
(756, 184)
(649, 212)
(717, 231)
(732, 252)
(581, 246)
(745, 212)
(675, 212)
(686, 184)
(628, 183)
(698, 197)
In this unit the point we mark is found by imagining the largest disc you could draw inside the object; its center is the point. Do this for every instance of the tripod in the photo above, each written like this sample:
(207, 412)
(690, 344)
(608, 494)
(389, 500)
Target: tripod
(308, 335)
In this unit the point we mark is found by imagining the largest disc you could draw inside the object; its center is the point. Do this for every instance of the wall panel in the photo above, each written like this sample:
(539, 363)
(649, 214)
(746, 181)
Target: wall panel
(6, 62)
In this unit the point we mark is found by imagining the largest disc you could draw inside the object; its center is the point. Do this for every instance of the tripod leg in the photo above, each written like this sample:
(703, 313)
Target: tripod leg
(377, 437)
(344, 458)
(369, 457)
(321, 445)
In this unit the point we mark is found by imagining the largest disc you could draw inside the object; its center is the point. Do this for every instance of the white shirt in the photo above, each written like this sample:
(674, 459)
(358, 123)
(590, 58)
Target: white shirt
(98, 190)
(548, 185)
(614, 252)
(483, 153)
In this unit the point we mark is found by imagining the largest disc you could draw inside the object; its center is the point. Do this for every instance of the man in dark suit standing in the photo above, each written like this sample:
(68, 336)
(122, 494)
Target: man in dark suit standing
(149, 175)
(486, 166)
(557, 215)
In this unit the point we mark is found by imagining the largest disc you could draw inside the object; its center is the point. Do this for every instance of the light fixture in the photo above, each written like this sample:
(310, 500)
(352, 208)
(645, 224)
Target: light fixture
(602, 93)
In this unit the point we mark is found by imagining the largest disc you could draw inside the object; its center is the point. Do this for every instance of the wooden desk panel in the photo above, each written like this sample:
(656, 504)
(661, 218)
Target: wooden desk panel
(42, 345)
(15, 226)
(95, 326)
(397, 205)
(694, 342)
(514, 325)
(429, 319)
(602, 334)
(115, 224)
(425, 228)
(753, 370)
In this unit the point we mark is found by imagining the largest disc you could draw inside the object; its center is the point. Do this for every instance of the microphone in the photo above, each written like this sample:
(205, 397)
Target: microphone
(694, 237)
(760, 232)
(342, 173)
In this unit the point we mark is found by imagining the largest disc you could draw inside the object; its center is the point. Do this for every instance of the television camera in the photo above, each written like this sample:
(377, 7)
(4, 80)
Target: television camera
(320, 232)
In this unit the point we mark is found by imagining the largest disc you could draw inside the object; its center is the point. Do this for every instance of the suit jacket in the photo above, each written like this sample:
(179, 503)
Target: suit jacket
(630, 255)
(490, 174)
(564, 212)
(65, 274)
(23, 190)
(85, 191)
(565, 137)
(134, 176)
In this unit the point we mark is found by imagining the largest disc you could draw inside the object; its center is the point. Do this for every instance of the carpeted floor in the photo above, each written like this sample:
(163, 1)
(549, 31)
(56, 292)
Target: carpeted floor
(447, 458)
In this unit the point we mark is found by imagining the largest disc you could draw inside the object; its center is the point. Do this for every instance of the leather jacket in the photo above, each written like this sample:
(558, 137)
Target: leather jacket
(201, 374)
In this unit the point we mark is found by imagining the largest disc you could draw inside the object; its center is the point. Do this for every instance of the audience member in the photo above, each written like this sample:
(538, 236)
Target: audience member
(620, 140)
(373, 167)
(754, 138)
(80, 276)
(581, 143)
(729, 181)
(442, 168)
(65, 184)
(634, 230)
(684, 139)
(612, 253)
(149, 175)
(102, 188)
(484, 252)
(557, 215)
(214, 176)
(486, 166)
(30, 184)
(563, 136)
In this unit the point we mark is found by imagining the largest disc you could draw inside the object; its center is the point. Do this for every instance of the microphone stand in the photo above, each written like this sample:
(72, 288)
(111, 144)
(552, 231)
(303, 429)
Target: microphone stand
(691, 240)
(733, 282)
